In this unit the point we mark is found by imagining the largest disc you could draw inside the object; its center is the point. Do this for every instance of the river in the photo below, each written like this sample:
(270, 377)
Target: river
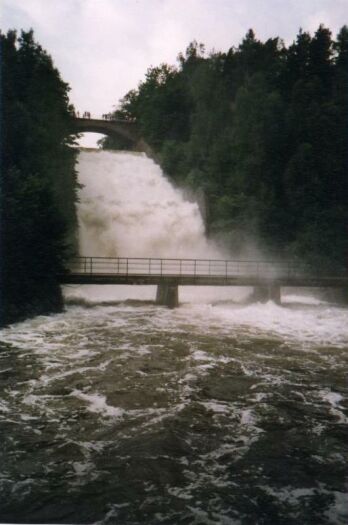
(119, 411)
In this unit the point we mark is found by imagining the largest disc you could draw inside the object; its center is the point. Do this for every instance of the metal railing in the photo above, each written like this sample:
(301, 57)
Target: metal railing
(149, 266)
(104, 118)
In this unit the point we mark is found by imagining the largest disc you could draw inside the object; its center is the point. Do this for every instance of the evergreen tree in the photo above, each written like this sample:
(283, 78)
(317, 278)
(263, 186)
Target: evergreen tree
(39, 184)
(262, 130)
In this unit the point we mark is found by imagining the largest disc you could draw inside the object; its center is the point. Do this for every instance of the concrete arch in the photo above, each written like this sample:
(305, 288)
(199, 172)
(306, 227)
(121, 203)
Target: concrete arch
(118, 128)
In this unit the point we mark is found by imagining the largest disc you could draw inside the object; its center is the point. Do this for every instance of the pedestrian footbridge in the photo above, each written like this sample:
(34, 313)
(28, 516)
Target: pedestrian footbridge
(267, 277)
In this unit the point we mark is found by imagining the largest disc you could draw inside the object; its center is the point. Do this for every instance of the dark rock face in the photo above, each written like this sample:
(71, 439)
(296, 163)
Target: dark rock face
(42, 298)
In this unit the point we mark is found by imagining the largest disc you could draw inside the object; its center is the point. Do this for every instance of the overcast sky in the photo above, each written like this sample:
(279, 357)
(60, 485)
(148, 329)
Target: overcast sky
(104, 47)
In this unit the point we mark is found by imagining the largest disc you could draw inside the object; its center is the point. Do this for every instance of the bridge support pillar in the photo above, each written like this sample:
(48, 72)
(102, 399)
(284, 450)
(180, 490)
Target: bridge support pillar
(339, 295)
(344, 295)
(167, 295)
(266, 293)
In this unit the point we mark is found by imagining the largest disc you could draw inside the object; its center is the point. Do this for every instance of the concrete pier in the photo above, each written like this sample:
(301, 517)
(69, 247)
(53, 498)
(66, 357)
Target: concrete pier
(336, 295)
(167, 295)
(266, 293)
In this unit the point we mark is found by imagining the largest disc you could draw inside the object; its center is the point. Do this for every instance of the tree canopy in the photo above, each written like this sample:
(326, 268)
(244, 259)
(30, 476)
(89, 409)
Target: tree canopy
(263, 130)
(38, 179)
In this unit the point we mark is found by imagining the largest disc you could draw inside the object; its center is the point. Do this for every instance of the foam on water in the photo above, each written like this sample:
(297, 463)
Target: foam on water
(306, 319)
(322, 324)
(199, 397)
(97, 403)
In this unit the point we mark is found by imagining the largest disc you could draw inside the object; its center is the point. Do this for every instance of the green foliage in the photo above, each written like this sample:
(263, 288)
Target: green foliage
(263, 131)
(38, 179)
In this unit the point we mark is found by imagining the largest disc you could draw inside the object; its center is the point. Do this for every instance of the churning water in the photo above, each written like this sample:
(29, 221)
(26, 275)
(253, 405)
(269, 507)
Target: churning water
(219, 412)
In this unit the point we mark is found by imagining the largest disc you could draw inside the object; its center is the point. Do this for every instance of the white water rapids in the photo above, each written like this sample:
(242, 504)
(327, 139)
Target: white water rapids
(217, 412)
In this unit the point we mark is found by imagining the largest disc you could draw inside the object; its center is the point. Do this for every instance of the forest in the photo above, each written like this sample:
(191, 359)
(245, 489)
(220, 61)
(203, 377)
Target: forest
(38, 179)
(262, 131)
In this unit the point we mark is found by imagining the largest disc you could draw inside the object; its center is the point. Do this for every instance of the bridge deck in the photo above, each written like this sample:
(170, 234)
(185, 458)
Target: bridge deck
(195, 272)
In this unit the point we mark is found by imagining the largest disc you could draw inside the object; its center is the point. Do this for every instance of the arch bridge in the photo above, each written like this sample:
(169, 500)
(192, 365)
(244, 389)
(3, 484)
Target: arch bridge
(126, 130)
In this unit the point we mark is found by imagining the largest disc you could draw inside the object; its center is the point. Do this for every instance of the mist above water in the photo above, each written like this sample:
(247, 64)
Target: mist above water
(129, 209)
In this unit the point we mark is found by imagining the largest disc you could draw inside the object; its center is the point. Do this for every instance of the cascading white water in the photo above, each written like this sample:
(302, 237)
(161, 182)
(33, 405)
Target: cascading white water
(129, 209)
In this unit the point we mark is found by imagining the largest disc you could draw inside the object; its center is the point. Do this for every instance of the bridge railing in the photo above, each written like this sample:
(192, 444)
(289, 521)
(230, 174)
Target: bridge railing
(126, 266)
(98, 118)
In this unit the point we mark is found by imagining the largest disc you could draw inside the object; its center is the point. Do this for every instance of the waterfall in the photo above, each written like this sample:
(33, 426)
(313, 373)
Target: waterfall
(128, 208)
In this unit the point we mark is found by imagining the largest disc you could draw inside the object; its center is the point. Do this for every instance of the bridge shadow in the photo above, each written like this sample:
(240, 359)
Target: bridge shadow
(88, 303)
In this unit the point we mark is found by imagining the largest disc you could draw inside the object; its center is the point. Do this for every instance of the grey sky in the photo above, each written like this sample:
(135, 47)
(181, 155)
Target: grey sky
(104, 47)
